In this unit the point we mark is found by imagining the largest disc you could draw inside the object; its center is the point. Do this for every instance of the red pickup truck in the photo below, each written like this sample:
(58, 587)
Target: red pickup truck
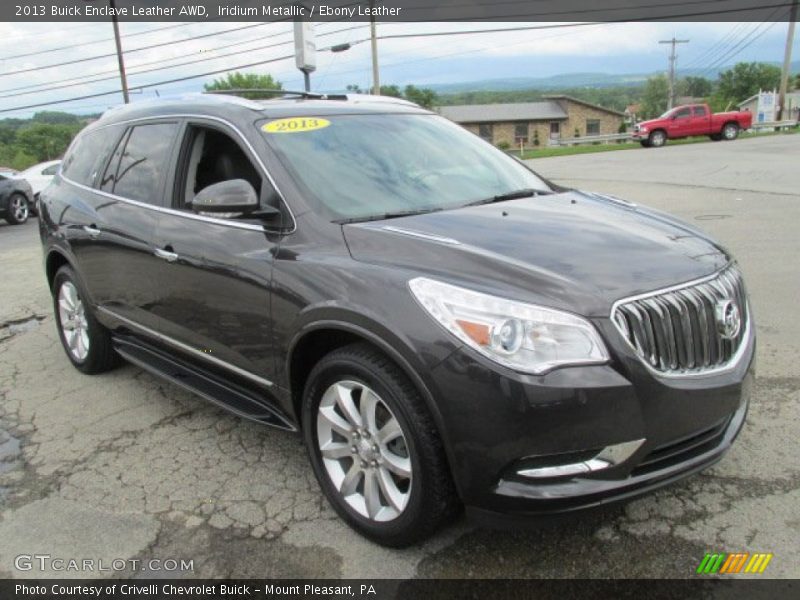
(691, 119)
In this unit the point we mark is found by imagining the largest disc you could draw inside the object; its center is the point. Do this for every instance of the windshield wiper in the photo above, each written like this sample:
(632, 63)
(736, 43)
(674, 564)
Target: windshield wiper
(388, 215)
(515, 195)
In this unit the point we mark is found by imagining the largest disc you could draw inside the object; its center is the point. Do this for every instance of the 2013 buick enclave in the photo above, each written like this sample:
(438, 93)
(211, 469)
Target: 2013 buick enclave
(445, 327)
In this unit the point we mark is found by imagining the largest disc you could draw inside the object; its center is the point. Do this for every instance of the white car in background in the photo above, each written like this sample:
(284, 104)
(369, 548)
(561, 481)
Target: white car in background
(40, 176)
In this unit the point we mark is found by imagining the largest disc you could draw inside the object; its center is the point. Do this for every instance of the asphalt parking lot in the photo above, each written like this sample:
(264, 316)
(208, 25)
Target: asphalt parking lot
(126, 466)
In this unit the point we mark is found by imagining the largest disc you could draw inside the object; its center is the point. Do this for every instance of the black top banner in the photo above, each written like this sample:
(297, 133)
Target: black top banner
(605, 11)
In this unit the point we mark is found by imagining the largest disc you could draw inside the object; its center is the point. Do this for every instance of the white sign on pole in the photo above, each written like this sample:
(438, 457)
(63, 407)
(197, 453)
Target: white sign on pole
(766, 107)
(305, 46)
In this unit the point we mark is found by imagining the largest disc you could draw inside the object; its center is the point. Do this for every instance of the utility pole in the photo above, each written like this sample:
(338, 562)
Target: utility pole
(122, 76)
(672, 58)
(787, 62)
(376, 82)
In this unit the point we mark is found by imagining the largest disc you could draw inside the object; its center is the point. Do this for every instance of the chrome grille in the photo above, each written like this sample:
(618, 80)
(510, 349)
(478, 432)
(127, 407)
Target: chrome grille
(676, 331)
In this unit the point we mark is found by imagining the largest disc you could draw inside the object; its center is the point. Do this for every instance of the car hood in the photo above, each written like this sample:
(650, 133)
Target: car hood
(573, 250)
(649, 123)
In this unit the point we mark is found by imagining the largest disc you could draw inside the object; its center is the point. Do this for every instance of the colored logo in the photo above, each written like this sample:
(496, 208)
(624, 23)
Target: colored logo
(735, 563)
(729, 319)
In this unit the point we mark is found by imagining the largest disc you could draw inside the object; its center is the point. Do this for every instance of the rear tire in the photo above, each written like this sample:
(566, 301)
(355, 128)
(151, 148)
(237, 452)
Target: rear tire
(730, 131)
(395, 495)
(87, 343)
(18, 210)
(657, 139)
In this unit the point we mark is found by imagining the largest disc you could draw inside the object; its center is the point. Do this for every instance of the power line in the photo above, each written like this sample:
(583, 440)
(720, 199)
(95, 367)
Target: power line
(84, 80)
(711, 50)
(151, 85)
(741, 46)
(139, 49)
(97, 41)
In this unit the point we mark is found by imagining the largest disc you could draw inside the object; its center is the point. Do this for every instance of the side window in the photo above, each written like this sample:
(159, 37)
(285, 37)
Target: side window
(88, 154)
(144, 162)
(210, 156)
(683, 113)
(699, 111)
(51, 170)
(109, 177)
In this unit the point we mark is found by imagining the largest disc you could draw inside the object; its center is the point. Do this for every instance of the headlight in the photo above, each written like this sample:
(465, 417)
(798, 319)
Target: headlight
(643, 129)
(523, 337)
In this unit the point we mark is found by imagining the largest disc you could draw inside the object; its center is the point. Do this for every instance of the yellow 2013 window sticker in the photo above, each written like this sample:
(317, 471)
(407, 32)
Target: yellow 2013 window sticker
(295, 125)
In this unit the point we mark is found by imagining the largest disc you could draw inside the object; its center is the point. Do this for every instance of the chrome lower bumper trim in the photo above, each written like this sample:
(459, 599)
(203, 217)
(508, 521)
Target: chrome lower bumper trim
(609, 456)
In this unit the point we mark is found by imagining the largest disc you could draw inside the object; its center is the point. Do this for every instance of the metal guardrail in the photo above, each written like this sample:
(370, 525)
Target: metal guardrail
(774, 124)
(590, 139)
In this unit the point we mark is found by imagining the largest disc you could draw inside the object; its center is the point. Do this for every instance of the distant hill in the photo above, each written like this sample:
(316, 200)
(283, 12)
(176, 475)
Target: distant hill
(569, 80)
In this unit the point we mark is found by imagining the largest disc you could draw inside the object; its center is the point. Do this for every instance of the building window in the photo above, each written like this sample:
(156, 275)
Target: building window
(592, 126)
(521, 133)
(555, 130)
(485, 131)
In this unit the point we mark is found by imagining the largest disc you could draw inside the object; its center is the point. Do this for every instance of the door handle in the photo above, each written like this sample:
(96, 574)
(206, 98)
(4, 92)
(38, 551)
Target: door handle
(166, 255)
(92, 230)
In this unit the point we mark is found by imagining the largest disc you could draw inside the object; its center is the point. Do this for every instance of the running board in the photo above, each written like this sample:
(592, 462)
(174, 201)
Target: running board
(231, 397)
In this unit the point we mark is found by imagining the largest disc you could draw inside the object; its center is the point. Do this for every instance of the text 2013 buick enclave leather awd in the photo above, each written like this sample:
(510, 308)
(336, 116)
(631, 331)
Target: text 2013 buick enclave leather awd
(443, 326)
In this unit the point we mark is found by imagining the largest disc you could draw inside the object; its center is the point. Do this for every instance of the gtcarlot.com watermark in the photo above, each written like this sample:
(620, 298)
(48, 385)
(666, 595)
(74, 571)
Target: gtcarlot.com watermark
(47, 562)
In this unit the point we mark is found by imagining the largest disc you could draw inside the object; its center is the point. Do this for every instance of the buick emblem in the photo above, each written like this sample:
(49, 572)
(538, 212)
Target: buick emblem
(729, 319)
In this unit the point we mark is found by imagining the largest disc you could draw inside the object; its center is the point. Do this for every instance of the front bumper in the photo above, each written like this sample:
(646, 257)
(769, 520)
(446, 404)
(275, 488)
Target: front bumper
(502, 425)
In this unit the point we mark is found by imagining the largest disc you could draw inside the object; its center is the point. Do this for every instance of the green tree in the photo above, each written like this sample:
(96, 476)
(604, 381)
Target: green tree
(423, 96)
(391, 90)
(697, 87)
(245, 81)
(55, 117)
(654, 98)
(746, 79)
(355, 88)
(44, 141)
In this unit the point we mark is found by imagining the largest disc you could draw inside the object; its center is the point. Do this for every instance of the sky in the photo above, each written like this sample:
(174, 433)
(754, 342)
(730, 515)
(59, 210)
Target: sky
(616, 48)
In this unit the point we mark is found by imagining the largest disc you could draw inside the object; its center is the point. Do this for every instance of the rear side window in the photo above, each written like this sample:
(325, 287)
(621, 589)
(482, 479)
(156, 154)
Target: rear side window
(143, 163)
(88, 155)
(699, 111)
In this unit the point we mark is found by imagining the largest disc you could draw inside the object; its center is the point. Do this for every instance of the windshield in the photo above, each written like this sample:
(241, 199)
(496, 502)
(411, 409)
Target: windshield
(368, 166)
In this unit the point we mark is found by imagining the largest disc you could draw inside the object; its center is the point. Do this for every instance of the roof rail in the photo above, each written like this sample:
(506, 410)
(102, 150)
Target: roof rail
(276, 92)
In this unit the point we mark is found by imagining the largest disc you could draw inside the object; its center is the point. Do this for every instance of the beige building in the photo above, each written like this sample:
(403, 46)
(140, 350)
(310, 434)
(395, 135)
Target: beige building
(528, 122)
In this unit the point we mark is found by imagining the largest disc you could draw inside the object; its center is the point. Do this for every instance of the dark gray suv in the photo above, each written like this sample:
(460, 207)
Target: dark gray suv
(444, 327)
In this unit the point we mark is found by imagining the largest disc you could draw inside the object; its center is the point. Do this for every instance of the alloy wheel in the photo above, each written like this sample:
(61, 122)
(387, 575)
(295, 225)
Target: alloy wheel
(730, 132)
(19, 208)
(364, 451)
(74, 325)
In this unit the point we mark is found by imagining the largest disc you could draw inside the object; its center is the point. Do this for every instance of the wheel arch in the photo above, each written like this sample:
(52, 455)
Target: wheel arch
(318, 338)
(54, 261)
(729, 122)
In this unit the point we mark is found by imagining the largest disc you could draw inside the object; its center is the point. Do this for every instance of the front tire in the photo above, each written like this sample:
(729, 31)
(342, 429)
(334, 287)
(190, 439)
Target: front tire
(645, 143)
(730, 132)
(18, 209)
(375, 449)
(657, 139)
(87, 343)
(715, 137)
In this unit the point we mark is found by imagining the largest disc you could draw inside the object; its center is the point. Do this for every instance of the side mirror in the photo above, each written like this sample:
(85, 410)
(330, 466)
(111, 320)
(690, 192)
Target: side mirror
(233, 197)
